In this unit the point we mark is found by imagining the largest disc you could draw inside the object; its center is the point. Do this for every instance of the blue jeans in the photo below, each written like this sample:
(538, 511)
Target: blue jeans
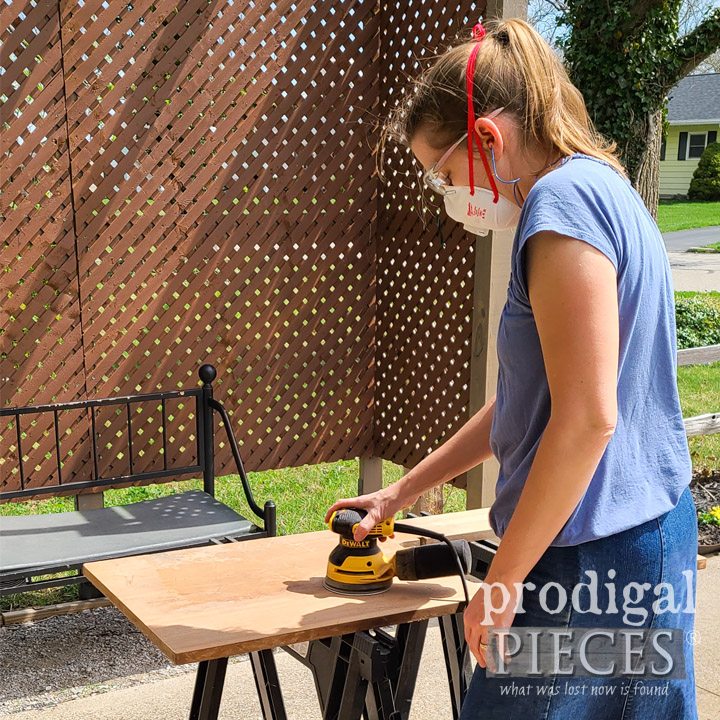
(658, 551)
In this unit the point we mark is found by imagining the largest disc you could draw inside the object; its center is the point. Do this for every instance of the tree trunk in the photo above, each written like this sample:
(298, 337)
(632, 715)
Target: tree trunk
(646, 176)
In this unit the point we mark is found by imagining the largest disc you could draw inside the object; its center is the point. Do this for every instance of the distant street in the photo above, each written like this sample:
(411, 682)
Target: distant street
(684, 239)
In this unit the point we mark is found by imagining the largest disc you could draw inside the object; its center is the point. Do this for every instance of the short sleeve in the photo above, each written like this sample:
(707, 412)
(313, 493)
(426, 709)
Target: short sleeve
(572, 206)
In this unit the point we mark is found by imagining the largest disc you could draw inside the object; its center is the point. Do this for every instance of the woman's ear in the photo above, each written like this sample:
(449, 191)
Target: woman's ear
(490, 134)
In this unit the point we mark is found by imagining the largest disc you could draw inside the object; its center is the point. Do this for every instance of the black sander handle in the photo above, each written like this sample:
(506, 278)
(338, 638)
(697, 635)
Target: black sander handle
(344, 521)
(423, 562)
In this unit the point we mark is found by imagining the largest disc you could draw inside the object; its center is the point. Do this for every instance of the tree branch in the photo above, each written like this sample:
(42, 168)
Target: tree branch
(558, 5)
(694, 47)
(639, 10)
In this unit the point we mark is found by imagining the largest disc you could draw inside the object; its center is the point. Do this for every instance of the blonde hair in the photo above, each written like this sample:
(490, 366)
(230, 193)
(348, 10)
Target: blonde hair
(515, 69)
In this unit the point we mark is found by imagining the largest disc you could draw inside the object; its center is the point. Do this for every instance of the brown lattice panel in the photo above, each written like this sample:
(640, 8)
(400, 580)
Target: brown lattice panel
(424, 291)
(199, 186)
(41, 348)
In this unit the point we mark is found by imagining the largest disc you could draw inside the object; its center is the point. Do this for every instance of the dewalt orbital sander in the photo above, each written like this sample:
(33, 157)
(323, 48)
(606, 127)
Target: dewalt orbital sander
(360, 567)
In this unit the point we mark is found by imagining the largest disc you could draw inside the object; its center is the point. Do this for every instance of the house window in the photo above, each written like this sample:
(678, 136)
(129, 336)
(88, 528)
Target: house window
(696, 144)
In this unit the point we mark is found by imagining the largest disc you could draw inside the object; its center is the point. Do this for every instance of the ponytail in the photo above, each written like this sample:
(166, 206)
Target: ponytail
(515, 69)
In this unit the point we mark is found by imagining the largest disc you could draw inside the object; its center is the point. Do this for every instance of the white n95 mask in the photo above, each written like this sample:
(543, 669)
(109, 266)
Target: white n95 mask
(478, 213)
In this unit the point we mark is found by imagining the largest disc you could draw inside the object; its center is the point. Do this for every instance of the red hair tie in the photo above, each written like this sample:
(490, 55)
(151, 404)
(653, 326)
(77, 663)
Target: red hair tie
(478, 34)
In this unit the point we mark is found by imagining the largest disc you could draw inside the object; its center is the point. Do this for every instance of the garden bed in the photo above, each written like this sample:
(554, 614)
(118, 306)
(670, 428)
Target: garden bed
(705, 489)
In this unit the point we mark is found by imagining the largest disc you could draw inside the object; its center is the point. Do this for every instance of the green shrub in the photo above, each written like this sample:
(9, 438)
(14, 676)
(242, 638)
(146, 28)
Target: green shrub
(698, 324)
(705, 184)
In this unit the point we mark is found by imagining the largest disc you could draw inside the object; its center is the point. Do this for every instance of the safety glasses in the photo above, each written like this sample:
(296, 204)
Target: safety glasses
(434, 179)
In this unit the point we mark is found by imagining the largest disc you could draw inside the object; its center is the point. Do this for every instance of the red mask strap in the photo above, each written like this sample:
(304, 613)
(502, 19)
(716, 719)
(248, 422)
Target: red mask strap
(478, 34)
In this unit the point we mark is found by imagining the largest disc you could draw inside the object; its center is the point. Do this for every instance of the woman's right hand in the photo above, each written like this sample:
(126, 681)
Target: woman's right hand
(380, 505)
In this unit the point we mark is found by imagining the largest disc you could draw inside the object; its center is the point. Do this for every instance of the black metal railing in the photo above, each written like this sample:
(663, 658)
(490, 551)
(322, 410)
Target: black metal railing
(28, 488)
(205, 405)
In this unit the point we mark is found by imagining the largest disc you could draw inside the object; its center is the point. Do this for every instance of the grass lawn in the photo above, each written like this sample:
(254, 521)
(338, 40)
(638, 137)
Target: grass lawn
(680, 215)
(699, 387)
(712, 247)
(711, 297)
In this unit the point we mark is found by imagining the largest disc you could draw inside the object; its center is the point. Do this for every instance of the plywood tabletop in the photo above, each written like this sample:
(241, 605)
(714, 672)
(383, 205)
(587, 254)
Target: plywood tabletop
(221, 600)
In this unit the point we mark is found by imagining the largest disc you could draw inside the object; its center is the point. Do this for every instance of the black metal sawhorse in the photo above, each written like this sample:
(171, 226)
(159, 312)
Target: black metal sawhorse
(367, 674)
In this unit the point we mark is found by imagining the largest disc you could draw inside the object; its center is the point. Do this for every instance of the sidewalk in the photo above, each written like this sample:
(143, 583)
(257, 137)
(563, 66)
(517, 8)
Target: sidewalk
(168, 698)
(695, 271)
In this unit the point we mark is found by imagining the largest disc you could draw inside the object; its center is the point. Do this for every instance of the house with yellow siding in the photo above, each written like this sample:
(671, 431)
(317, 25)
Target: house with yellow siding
(694, 119)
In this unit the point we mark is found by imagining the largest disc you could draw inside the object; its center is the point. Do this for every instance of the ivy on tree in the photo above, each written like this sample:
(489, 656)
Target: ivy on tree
(625, 56)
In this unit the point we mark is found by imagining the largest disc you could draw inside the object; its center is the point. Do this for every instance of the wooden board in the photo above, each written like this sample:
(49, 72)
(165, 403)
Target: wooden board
(222, 600)
(468, 525)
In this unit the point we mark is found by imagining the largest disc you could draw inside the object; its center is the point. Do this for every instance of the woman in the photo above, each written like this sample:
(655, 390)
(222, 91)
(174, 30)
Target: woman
(586, 422)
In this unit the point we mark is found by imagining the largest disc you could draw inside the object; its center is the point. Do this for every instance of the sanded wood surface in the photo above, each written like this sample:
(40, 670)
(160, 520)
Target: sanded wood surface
(222, 600)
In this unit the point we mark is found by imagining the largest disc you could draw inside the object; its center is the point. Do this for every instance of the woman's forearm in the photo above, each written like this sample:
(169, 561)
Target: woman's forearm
(565, 461)
(466, 449)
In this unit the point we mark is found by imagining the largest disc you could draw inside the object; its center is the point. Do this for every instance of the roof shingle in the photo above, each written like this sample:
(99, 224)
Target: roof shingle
(695, 98)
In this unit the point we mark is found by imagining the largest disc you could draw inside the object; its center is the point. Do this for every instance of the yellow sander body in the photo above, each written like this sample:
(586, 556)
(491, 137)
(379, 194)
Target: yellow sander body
(358, 567)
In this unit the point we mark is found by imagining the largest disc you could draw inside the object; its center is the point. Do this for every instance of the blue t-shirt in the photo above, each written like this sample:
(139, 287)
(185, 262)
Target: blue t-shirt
(646, 464)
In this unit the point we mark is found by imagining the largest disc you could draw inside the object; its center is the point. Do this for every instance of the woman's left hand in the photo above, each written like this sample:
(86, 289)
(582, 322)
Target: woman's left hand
(493, 605)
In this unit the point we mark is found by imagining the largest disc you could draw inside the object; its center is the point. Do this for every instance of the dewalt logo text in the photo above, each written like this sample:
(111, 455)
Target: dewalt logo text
(355, 543)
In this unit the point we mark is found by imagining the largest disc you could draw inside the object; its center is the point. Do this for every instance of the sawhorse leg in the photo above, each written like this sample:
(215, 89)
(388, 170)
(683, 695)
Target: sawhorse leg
(366, 674)
(457, 659)
(268, 685)
(327, 659)
(211, 678)
(368, 683)
(373, 675)
(208, 689)
(411, 640)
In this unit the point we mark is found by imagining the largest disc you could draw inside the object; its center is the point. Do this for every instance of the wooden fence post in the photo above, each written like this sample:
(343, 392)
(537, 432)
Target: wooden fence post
(431, 501)
(90, 501)
(492, 273)
(370, 475)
